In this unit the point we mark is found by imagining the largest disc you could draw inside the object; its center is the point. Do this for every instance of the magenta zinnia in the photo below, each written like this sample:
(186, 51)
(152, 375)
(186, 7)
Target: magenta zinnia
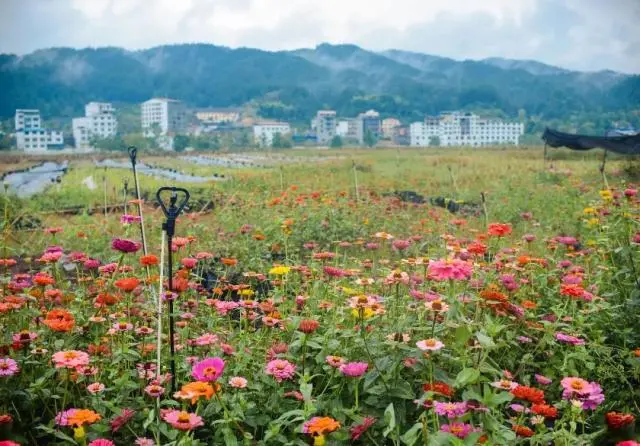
(208, 369)
(354, 369)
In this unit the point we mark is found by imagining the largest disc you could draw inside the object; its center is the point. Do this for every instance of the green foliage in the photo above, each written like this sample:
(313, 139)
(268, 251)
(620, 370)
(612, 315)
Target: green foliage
(180, 142)
(336, 142)
(369, 138)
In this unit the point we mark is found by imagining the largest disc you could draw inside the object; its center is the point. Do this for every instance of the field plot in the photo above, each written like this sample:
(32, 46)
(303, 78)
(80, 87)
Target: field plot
(389, 297)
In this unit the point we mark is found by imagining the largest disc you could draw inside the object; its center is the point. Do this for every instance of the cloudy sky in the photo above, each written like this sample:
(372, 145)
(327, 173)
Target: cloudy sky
(576, 34)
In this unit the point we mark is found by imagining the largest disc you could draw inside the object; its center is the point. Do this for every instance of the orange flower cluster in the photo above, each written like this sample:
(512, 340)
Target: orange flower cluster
(59, 320)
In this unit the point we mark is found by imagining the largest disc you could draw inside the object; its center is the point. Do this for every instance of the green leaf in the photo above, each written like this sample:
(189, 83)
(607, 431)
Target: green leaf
(467, 376)
(389, 419)
(485, 340)
(229, 437)
(411, 436)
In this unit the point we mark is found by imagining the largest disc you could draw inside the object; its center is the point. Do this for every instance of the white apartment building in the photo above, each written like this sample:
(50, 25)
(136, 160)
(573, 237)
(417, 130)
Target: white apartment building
(163, 117)
(27, 119)
(464, 129)
(263, 132)
(325, 126)
(31, 137)
(342, 128)
(99, 122)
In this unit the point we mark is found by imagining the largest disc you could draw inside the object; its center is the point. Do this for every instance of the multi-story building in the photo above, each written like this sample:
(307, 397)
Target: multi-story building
(264, 132)
(325, 126)
(342, 128)
(99, 121)
(27, 119)
(31, 137)
(388, 127)
(163, 117)
(368, 122)
(464, 129)
(218, 115)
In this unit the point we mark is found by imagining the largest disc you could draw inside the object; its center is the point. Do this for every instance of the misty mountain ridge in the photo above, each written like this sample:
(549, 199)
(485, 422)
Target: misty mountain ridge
(294, 84)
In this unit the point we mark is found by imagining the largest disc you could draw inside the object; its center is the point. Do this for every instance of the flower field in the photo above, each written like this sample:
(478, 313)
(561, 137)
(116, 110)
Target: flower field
(314, 306)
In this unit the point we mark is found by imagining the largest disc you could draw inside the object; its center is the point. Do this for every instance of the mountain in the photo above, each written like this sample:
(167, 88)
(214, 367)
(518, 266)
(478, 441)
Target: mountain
(292, 85)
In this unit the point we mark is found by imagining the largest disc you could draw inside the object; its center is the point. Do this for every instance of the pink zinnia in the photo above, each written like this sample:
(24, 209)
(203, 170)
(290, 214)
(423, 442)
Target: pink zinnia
(102, 442)
(140, 441)
(332, 271)
(542, 379)
(354, 369)
(189, 262)
(208, 369)
(8, 367)
(238, 382)
(206, 339)
(450, 410)
(280, 369)
(127, 219)
(70, 359)
(460, 430)
(568, 339)
(455, 269)
(180, 419)
(429, 344)
(121, 420)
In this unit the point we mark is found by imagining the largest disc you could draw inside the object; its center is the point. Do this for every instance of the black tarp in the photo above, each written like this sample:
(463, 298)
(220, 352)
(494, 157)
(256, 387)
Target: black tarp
(625, 145)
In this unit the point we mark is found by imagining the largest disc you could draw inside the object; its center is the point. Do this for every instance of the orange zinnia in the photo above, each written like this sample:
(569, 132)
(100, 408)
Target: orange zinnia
(59, 320)
(228, 261)
(83, 416)
(321, 425)
(197, 389)
(149, 260)
(530, 394)
(128, 284)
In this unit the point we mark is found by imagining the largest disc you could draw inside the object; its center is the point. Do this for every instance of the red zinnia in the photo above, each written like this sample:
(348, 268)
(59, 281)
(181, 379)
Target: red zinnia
(545, 410)
(617, 420)
(535, 396)
(522, 431)
(438, 387)
(128, 284)
(499, 229)
(308, 326)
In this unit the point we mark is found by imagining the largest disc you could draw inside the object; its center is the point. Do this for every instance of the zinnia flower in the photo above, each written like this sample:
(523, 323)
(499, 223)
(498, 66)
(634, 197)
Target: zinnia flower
(450, 410)
(455, 269)
(59, 320)
(617, 420)
(354, 369)
(8, 367)
(181, 420)
(195, 390)
(77, 417)
(320, 426)
(70, 359)
(238, 382)
(208, 369)
(102, 442)
(358, 430)
(429, 345)
(119, 421)
(125, 246)
(280, 369)
(460, 430)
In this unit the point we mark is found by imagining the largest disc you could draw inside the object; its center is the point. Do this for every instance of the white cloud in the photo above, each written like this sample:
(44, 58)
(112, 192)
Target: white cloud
(581, 34)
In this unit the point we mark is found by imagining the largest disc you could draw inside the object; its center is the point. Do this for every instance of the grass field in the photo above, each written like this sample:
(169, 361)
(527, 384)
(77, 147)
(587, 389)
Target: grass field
(314, 306)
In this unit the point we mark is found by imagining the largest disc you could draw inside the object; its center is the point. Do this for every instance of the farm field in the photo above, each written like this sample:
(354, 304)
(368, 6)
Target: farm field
(388, 297)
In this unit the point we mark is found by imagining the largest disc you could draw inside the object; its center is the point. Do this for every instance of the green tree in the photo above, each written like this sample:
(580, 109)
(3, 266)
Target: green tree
(336, 142)
(434, 140)
(180, 142)
(370, 139)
